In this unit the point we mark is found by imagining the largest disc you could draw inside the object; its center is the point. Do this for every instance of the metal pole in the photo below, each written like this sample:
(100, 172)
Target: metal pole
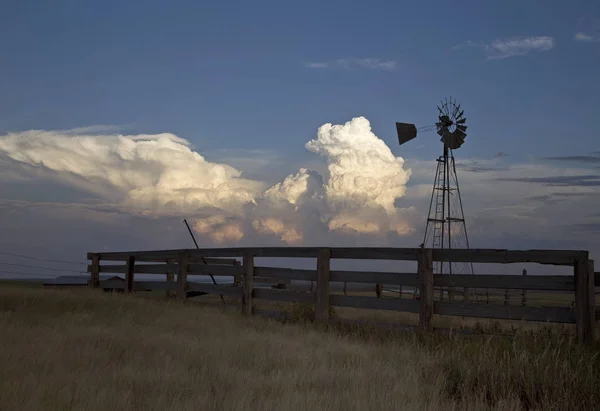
(203, 260)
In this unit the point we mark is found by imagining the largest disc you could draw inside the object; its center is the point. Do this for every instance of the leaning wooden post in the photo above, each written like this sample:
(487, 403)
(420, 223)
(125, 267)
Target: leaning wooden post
(129, 274)
(584, 300)
(248, 284)
(170, 276)
(182, 277)
(425, 269)
(322, 297)
(95, 271)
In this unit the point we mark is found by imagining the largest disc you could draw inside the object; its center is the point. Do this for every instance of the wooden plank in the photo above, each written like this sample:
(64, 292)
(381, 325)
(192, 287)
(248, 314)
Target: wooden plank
(139, 268)
(384, 253)
(278, 295)
(375, 253)
(556, 257)
(182, 277)
(215, 289)
(150, 256)
(277, 273)
(530, 282)
(194, 269)
(585, 300)
(155, 285)
(203, 269)
(196, 254)
(374, 303)
(269, 280)
(248, 284)
(553, 257)
(374, 277)
(284, 252)
(322, 298)
(506, 312)
(129, 274)
(215, 261)
(94, 270)
(425, 268)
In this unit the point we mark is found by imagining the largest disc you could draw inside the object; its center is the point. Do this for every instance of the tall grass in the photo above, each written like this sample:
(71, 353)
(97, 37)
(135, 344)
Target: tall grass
(93, 351)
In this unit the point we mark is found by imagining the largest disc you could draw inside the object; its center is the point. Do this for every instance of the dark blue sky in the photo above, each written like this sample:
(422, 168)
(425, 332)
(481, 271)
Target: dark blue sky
(233, 74)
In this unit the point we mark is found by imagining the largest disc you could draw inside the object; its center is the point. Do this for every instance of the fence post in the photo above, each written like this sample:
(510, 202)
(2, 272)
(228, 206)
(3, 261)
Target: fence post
(322, 303)
(237, 277)
(248, 284)
(182, 277)
(585, 300)
(170, 276)
(425, 269)
(129, 274)
(524, 292)
(506, 296)
(95, 271)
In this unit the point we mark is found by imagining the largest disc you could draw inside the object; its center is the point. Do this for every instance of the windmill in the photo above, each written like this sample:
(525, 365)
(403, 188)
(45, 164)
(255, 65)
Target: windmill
(446, 226)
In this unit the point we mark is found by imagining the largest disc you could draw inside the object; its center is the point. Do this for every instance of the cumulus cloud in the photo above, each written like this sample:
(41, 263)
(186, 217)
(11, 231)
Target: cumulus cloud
(157, 172)
(514, 46)
(162, 175)
(365, 178)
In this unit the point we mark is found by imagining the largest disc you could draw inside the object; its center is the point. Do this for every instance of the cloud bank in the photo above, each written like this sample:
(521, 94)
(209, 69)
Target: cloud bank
(161, 174)
(79, 190)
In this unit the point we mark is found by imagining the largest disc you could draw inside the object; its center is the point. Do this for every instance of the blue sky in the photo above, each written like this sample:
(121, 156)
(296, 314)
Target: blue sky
(249, 83)
(232, 74)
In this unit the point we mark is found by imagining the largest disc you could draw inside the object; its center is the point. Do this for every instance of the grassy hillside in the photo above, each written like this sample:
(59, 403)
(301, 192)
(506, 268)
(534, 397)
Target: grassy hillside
(81, 350)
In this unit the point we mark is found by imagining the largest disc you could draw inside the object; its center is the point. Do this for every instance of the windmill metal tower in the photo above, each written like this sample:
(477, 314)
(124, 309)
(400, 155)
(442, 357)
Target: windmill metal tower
(446, 227)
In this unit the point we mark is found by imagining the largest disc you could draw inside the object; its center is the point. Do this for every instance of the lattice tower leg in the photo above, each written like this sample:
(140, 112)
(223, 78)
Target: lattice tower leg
(446, 226)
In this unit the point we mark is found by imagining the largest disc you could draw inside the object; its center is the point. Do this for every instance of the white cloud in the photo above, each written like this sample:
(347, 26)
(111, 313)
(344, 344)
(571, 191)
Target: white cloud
(362, 169)
(349, 63)
(585, 37)
(157, 172)
(515, 46)
(317, 65)
(161, 175)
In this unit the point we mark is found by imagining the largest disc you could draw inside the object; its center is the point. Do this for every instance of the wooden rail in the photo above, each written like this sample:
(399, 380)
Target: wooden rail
(224, 262)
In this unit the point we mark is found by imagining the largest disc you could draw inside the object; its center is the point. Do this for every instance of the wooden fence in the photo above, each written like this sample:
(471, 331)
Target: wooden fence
(219, 261)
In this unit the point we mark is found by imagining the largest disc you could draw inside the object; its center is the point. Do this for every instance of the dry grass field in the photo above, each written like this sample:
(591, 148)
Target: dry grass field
(84, 350)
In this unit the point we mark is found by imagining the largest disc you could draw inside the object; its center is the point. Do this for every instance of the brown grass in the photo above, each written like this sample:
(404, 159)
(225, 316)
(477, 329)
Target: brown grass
(83, 350)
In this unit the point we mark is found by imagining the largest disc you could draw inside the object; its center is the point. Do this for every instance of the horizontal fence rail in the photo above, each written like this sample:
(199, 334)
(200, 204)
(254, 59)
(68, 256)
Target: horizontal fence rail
(553, 257)
(178, 264)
